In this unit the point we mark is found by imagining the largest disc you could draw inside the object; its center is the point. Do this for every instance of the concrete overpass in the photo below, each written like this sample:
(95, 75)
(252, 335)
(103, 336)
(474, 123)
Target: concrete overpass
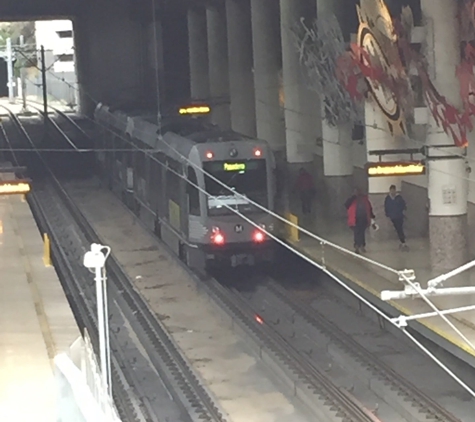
(242, 57)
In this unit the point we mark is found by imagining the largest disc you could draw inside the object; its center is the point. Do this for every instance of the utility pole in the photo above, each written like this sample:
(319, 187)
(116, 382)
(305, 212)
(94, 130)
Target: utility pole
(45, 92)
(10, 71)
(23, 75)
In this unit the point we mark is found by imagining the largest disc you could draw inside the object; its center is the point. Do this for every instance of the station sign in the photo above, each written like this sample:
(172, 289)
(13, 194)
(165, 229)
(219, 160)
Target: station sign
(15, 187)
(399, 168)
(194, 109)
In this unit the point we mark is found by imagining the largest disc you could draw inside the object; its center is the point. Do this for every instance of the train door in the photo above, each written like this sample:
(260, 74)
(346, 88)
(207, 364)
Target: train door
(156, 189)
(191, 253)
(193, 206)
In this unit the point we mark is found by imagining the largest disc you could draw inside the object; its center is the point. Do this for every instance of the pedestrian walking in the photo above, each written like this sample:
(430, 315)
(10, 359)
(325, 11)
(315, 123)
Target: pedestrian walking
(306, 189)
(360, 217)
(394, 207)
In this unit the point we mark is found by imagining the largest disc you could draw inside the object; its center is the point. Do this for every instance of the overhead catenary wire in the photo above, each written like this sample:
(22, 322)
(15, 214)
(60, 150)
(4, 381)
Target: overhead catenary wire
(325, 242)
(321, 240)
(298, 253)
(310, 234)
(341, 283)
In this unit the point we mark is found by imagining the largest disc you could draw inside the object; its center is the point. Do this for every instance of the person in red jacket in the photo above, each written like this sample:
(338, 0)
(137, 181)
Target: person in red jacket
(360, 214)
(306, 189)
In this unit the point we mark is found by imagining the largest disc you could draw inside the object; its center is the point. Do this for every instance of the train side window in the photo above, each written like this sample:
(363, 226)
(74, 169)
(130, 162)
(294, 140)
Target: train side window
(193, 193)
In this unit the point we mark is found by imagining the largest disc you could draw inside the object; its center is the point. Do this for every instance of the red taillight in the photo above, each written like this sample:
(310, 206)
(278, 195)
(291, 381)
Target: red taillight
(209, 155)
(257, 152)
(258, 236)
(217, 238)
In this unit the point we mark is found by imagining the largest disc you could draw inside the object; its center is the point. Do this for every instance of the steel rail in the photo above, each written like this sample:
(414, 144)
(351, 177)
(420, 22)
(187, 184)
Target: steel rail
(62, 114)
(413, 401)
(165, 355)
(82, 309)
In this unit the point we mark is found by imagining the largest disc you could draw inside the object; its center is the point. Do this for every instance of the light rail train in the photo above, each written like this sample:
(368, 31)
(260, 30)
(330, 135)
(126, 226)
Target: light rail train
(162, 174)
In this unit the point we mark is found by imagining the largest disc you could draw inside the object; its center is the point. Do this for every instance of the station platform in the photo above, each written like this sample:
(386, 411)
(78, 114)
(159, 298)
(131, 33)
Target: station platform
(370, 280)
(36, 321)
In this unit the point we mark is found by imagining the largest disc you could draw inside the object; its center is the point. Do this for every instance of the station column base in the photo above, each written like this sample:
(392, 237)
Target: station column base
(448, 242)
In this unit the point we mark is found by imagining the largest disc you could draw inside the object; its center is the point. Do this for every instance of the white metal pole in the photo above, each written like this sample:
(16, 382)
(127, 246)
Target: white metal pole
(100, 325)
(10, 70)
(107, 333)
(441, 278)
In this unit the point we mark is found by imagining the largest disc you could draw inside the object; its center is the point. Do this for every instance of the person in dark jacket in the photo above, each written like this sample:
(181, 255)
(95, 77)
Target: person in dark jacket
(360, 215)
(394, 207)
(306, 189)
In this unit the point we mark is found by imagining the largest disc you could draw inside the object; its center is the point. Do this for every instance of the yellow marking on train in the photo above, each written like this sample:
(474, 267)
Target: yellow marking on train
(174, 214)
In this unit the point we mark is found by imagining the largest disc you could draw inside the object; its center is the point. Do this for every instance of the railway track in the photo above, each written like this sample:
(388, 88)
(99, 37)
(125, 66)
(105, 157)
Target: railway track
(405, 397)
(155, 387)
(327, 401)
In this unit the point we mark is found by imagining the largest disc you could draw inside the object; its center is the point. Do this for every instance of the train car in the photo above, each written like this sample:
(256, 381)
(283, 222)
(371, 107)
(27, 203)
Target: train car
(195, 185)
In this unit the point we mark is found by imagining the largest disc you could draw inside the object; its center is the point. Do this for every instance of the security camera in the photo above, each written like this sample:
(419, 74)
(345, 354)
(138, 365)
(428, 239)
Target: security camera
(94, 258)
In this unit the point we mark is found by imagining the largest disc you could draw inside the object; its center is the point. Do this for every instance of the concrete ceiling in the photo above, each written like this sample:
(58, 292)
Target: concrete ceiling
(23, 10)
(18, 10)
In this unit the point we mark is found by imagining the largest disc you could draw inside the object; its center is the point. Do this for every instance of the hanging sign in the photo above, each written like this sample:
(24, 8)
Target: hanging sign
(400, 168)
(14, 187)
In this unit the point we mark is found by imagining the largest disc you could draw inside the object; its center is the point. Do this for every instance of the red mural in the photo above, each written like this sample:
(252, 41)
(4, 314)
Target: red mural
(358, 66)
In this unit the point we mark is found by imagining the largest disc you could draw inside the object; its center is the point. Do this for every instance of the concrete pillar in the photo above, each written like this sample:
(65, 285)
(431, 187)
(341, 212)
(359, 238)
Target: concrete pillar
(108, 74)
(448, 188)
(81, 46)
(267, 66)
(337, 167)
(198, 48)
(337, 141)
(241, 78)
(378, 137)
(218, 66)
(302, 106)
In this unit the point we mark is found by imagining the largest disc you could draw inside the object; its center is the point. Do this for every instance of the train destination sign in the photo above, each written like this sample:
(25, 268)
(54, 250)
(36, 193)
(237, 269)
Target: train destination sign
(402, 168)
(234, 166)
(201, 109)
(14, 187)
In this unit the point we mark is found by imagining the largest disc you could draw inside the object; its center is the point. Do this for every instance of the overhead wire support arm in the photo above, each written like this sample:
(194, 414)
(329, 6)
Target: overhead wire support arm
(444, 277)
(432, 285)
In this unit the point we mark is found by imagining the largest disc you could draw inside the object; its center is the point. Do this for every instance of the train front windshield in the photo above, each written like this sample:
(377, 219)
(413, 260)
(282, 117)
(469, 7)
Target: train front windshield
(247, 178)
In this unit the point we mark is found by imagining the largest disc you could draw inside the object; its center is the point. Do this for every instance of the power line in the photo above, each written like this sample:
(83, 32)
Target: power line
(323, 242)
(298, 253)
(310, 234)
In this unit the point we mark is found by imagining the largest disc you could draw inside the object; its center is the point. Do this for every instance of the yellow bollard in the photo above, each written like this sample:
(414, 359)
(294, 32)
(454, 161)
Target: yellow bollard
(293, 233)
(47, 251)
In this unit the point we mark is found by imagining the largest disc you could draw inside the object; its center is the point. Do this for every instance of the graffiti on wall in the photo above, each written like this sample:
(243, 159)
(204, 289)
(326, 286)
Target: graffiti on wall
(380, 58)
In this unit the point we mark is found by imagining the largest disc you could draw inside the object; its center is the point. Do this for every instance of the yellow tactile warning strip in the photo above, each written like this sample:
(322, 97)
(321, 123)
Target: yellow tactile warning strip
(338, 272)
(35, 293)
